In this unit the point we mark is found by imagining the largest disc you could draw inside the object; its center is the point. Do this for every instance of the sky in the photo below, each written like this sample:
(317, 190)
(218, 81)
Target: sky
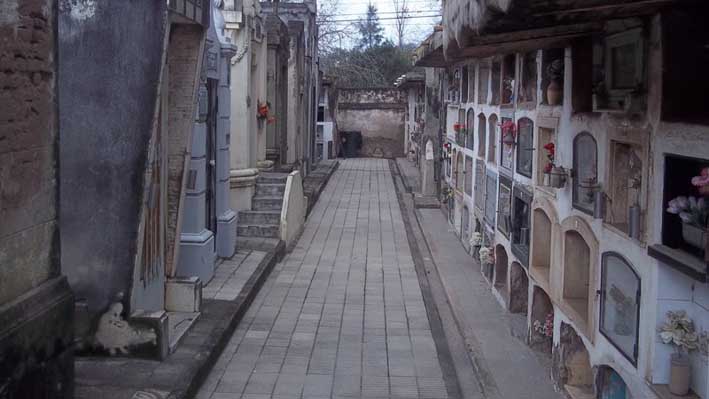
(418, 28)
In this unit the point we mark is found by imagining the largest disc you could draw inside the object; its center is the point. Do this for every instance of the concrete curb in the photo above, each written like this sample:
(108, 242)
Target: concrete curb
(322, 180)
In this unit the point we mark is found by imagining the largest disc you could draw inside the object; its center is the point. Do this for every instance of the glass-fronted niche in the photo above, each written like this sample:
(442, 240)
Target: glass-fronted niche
(490, 197)
(521, 221)
(504, 217)
(620, 304)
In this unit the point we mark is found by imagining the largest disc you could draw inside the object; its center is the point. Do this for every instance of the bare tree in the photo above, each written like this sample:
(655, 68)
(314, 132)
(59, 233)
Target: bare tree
(331, 33)
(401, 8)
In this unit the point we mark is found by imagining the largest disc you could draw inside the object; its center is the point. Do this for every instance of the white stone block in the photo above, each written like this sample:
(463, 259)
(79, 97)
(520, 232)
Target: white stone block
(183, 294)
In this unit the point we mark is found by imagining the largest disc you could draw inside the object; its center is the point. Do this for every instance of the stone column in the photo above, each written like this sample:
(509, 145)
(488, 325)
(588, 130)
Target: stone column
(197, 253)
(226, 217)
(242, 174)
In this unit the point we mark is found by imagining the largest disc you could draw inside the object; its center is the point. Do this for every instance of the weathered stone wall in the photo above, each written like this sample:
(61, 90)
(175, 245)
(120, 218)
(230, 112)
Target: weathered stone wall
(109, 69)
(35, 361)
(378, 114)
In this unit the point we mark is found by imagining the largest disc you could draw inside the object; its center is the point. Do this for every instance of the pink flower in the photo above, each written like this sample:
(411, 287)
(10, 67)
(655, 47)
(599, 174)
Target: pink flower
(703, 179)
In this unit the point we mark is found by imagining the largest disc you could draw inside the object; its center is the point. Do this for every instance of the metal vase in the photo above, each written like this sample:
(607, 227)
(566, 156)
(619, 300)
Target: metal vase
(693, 235)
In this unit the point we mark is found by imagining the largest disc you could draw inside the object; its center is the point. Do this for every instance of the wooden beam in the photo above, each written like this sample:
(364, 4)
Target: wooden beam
(532, 34)
(489, 50)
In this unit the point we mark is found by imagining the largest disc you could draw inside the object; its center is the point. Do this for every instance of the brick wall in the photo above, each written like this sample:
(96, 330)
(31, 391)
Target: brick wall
(184, 63)
(28, 133)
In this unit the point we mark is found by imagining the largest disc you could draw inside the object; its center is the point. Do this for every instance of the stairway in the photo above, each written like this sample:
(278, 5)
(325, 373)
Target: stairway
(264, 218)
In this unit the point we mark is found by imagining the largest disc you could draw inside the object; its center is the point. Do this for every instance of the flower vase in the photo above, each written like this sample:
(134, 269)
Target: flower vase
(693, 235)
(679, 374)
(557, 177)
(704, 190)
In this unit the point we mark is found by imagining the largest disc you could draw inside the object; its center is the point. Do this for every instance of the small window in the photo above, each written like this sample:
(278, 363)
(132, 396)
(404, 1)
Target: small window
(495, 82)
(506, 150)
(321, 114)
(620, 307)
(464, 84)
(492, 139)
(470, 129)
(482, 135)
(521, 220)
(480, 184)
(528, 86)
(525, 146)
(585, 172)
(468, 175)
(483, 82)
(504, 200)
(490, 199)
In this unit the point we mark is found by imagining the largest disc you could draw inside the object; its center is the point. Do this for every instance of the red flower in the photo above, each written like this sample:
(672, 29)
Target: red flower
(550, 147)
(548, 167)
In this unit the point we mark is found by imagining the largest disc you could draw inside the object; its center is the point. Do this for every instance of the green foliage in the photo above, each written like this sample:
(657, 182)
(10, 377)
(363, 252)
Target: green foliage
(375, 66)
(370, 30)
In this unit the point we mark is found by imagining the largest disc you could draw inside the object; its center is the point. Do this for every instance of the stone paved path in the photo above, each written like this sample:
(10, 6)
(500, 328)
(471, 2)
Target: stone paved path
(342, 316)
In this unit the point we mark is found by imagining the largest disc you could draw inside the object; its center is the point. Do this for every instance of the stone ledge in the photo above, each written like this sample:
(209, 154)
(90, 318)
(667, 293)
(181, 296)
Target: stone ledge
(315, 182)
(182, 373)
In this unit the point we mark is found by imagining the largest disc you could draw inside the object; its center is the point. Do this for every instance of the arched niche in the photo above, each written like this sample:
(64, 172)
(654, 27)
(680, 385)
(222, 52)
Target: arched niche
(519, 289)
(580, 259)
(470, 129)
(482, 135)
(571, 369)
(460, 171)
(501, 263)
(544, 231)
(492, 139)
(610, 384)
(542, 321)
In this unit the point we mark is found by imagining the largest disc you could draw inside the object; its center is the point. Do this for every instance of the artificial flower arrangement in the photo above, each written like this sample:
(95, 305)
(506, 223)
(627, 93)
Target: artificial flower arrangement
(262, 111)
(459, 127)
(678, 330)
(691, 210)
(487, 256)
(545, 329)
(694, 213)
(476, 239)
(551, 152)
(509, 132)
(555, 175)
(702, 181)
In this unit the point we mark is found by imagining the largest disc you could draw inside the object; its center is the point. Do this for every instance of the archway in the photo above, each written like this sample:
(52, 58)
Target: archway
(519, 289)
(501, 263)
(610, 384)
(482, 135)
(542, 319)
(492, 140)
(571, 369)
(576, 273)
(540, 264)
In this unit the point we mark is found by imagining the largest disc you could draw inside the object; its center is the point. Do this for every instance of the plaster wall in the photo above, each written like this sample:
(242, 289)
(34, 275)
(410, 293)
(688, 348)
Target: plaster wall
(107, 97)
(379, 114)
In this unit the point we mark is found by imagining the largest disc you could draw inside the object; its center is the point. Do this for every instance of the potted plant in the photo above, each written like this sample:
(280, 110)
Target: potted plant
(702, 182)
(555, 176)
(509, 132)
(555, 88)
(678, 330)
(695, 216)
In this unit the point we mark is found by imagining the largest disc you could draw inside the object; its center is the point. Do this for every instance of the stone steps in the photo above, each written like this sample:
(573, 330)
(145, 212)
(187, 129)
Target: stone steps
(258, 230)
(267, 203)
(272, 178)
(270, 189)
(260, 217)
